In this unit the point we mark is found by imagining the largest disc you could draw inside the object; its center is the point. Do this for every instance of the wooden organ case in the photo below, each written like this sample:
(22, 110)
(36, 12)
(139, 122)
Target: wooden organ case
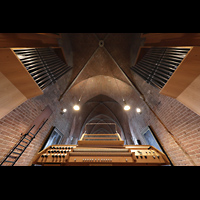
(101, 150)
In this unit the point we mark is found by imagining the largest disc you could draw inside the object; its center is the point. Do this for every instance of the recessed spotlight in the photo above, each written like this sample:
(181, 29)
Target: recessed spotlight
(138, 110)
(76, 107)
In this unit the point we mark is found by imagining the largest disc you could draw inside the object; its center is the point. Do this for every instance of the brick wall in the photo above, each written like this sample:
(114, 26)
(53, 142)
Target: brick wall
(176, 127)
(18, 121)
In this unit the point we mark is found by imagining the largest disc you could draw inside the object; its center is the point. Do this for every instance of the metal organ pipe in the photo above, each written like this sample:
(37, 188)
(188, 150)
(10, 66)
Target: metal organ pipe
(158, 64)
(43, 65)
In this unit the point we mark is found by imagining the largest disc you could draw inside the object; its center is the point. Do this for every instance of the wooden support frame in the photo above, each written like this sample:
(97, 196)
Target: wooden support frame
(184, 84)
(171, 39)
(16, 84)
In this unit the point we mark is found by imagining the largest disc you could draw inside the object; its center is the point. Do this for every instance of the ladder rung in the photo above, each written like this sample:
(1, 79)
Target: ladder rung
(16, 152)
(12, 156)
(19, 149)
(22, 145)
(19, 144)
(8, 161)
(27, 139)
(29, 136)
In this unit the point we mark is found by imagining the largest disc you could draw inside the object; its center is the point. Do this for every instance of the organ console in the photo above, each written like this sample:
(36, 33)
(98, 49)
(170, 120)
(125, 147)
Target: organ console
(101, 150)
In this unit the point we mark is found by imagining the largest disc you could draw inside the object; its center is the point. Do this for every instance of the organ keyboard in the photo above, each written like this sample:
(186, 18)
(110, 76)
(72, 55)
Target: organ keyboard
(101, 150)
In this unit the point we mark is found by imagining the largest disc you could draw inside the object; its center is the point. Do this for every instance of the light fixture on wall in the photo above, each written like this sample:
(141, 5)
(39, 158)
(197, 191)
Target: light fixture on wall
(138, 110)
(64, 110)
(76, 107)
(126, 106)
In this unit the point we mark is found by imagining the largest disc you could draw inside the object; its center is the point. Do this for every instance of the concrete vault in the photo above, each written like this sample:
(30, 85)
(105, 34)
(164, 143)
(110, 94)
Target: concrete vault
(99, 83)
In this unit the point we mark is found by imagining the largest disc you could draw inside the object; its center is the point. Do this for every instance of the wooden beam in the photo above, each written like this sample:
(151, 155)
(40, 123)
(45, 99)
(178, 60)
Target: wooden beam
(171, 39)
(11, 40)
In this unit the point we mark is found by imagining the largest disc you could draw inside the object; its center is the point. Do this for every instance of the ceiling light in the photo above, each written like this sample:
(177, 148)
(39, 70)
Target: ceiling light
(76, 107)
(138, 110)
(127, 107)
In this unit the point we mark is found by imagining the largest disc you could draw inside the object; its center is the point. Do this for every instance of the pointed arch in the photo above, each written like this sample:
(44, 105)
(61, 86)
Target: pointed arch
(101, 130)
(102, 111)
(113, 117)
(101, 84)
(98, 123)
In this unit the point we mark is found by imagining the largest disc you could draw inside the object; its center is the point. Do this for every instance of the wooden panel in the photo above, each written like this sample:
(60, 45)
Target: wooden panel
(184, 75)
(135, 155)
(172, 39)
(184, 84)
(53, 35)
(14, 70)
(16, 84)
(100, 143)
(11, 40)
(59, 52)
(190, 97)
(8, 92)
(142, 51)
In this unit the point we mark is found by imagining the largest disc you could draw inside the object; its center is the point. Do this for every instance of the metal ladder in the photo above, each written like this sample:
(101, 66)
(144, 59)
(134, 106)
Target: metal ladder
(14, 154)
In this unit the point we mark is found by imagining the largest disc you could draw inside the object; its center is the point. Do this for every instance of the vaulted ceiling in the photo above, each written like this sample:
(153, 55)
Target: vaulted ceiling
(101, 79)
